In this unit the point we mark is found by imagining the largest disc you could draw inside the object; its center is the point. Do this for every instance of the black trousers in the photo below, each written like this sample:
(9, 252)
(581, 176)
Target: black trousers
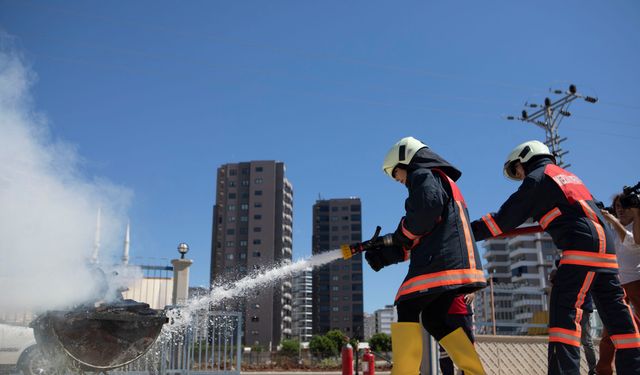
(434, 309)
(570, 286)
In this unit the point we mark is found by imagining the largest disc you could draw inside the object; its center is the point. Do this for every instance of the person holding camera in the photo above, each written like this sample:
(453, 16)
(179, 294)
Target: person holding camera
(626, 225)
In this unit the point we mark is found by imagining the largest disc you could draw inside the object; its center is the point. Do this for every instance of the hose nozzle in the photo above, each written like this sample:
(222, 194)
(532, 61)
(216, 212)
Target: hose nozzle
(375, 242)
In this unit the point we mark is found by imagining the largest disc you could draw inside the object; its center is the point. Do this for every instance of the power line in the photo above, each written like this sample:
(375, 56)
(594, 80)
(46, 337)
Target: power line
(550, 115)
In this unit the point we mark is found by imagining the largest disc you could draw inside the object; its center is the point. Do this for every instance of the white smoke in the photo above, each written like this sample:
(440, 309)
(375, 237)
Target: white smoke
(48, 207)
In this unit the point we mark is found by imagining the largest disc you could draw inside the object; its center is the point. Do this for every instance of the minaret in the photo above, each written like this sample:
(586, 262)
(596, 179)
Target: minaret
(96, 244)
(125, 254)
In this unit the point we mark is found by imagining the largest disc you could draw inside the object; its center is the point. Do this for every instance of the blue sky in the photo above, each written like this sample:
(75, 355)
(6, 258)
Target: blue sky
(154, 96)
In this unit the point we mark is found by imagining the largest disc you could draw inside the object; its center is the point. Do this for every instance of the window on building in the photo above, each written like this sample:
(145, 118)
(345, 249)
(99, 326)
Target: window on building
(257, 192)
(244, 219)
(231, 218)
(355, 217)
(229, 243)
(233, 172)
(255, 318)
(355, 208)
(257, 217)
(257, 205)
(257, 242)
(257, 229)
(244, 182)
(244, 206)
(231, 231)
(232, 195)
(259, 169)
(258, 180)
(335, 288)
(335, 278)
(243, 243)
(229, 256)
(232, 183)
(231, 207)
(335, 309)
(256, 254)
(334, 209)
(244, 171)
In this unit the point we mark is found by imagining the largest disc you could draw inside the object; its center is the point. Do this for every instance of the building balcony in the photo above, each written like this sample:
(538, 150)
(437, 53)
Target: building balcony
(524, 263)
(524, 317)
(493, 253)
(523, 251)
(528, 302)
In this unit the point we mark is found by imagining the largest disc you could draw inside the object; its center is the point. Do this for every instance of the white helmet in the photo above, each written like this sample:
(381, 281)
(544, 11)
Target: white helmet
(401, 153)
(523, 153)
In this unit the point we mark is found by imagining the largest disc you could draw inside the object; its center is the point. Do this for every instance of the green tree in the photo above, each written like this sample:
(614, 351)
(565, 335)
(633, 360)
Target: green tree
(338, 338)
(289, 348)
(322, 346)
(380, 342)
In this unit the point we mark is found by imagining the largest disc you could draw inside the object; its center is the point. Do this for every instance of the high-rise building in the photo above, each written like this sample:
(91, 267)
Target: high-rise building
(302, 304)
(520, 268)
(384, 318)
(337, 286)
(369, 325)
(252, 228)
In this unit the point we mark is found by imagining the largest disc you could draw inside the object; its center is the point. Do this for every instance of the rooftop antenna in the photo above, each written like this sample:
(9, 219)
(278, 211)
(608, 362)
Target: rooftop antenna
(125, 254)
(550, 115)
(96, 243)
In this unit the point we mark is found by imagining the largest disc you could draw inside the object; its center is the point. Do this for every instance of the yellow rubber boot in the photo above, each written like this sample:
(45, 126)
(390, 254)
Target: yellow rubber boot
(406, 344)
(462, 352)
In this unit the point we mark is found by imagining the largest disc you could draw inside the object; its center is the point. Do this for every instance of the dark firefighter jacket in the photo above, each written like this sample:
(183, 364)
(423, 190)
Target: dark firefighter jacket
(564, 208)
(444, 254)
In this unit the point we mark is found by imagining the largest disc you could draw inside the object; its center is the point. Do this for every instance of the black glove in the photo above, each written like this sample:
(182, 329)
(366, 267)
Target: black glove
(385, 256)
(400, 239)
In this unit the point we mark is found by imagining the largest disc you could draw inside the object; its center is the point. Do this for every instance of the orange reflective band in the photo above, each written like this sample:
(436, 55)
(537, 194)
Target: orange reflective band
(602, 240)
(565, 336)
(588, 258)
(492, 225)
(438, 279)
(469, 242)
(549, 217)
(626, 341)
(407, 233)
(588, 210)
(581, 296)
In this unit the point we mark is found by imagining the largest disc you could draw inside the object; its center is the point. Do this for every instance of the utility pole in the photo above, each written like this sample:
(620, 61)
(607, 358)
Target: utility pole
(550, 115)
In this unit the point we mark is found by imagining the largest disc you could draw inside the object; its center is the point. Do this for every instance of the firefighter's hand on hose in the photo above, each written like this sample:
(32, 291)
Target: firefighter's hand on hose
(385, 256)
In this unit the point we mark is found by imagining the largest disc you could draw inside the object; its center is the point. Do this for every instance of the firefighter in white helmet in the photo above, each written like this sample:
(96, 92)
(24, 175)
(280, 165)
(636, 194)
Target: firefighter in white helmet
(436, 239)
(565, 209)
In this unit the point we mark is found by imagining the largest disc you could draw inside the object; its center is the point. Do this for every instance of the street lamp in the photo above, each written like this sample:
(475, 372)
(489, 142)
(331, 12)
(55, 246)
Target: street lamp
(183, 248)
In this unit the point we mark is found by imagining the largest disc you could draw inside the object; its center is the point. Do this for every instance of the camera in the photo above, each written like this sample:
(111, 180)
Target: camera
(630, 196)
(610, 209)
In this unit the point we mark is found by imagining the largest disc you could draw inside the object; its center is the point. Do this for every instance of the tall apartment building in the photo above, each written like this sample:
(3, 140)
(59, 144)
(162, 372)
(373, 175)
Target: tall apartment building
(302, 304)
(384, 318)
(252, 228)
(369, 325)
(337, 286)
(520, 268)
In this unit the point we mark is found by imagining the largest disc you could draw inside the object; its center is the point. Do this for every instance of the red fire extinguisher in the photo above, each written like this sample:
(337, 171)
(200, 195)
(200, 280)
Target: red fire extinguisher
(368, 363)
(347, 359)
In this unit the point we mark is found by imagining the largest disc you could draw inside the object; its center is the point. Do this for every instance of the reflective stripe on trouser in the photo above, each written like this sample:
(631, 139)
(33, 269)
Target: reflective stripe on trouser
(565, 314)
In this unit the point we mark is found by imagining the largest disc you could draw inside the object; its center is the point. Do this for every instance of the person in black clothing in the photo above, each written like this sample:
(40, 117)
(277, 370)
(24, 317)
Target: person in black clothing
(565, 209)
(435, 236)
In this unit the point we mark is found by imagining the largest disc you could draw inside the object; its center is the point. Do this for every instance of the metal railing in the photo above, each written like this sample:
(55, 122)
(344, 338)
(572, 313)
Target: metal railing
(209, 344)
